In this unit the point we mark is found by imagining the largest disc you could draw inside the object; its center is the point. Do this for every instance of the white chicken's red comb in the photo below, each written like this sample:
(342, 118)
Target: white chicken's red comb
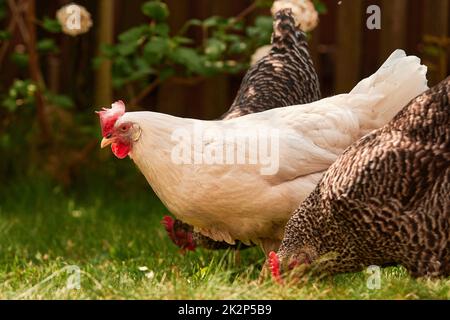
(108, 117)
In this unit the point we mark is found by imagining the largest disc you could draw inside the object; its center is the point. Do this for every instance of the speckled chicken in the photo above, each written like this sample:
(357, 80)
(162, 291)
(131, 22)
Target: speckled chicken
(284, 77)
(386, 200)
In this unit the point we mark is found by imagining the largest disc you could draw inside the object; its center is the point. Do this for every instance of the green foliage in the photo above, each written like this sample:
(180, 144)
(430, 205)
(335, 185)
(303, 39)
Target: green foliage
(190, 58)
(47, 45)
(51, 25)
(262, 30)
(264, 3)
(19, 129)
(156, 10)
(59, 100)
(4, 35)
(320, 7)
(153, 51)
(20, 59)
(21, 93)
(144, 54)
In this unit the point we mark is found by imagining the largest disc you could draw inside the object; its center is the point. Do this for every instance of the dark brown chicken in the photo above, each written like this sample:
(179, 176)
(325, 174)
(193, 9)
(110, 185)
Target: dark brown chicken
(386, 200)
(284, 77)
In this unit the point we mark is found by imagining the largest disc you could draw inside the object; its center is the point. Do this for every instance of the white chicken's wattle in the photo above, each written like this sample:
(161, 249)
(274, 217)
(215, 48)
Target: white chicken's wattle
(229, 202)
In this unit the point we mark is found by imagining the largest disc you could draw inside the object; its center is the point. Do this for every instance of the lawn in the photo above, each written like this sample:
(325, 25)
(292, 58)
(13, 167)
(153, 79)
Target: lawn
(115, 238)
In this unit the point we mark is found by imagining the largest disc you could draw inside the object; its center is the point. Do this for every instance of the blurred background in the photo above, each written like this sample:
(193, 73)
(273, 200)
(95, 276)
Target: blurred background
(182, 57)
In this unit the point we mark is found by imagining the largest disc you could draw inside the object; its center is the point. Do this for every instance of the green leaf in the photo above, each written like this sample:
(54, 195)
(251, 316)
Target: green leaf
(142, 65)
(5, 35)
(123, 66)
(215, 48)
(62, 101)
(108, 50)
(265, 23)
(5, 140)
(162, 29)
(130, 40)
(321, 8)
(190, 23)
(118, 82)
(182, 40)
(189, 58)
(47, 45)
(140, 74)
(20, 59)
(238, 47)
(20, 93)
(166, 73)
(431, 50)
(156, 10)
(96, 62)
(264, 3)
(51, 25)
(9, 104)
(235, 25)
(133, 34)
(261, 31)
(215, 21)
(127, 48)
(156, 49)
(195, 22)
(143, 70)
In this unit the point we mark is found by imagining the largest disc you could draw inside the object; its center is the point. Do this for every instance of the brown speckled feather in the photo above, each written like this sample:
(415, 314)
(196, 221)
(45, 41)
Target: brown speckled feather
(385, 200)
(284, 77)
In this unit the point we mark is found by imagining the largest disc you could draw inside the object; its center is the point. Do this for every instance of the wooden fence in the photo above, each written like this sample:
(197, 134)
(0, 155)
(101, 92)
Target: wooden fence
(343, 48)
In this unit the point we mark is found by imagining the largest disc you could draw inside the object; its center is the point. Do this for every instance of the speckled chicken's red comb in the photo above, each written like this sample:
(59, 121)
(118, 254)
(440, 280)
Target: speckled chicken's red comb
(274, 264)
(108, 117)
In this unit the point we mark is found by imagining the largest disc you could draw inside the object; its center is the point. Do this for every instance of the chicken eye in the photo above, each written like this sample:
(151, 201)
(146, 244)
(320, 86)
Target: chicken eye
(124, 128)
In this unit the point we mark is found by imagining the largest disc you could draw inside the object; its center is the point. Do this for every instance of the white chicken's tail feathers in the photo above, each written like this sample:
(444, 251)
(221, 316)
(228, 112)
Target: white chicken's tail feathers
(400, 79)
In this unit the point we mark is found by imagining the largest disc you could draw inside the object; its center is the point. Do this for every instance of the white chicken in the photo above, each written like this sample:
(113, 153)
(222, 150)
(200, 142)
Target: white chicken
(229, 191)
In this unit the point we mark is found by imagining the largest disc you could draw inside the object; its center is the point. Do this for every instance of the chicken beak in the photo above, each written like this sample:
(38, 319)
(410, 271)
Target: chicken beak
(106, 142)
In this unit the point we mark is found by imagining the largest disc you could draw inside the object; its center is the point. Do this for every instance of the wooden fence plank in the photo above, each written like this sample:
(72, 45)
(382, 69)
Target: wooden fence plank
(436, 24)
(393, 26)
(173, 98)
(216, 92)
(103, 79)
(348, 58)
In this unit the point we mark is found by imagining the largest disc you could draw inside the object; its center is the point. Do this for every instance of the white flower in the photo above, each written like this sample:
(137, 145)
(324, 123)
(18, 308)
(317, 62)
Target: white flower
(144, 268)
(150, 275)
(305, 15)
(260, 53)
(74, 19)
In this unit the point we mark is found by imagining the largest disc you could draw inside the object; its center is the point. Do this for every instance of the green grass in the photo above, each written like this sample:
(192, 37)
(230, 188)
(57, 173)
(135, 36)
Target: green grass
(111, 234)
